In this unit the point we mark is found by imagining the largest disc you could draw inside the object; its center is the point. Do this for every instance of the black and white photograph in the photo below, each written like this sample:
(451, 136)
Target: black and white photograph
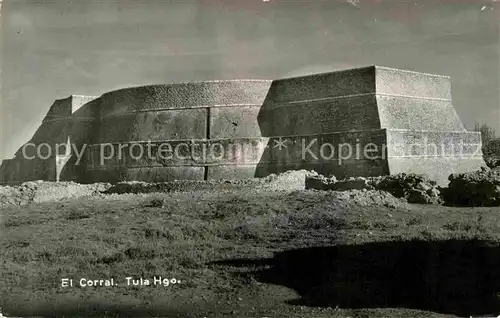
(250, 158)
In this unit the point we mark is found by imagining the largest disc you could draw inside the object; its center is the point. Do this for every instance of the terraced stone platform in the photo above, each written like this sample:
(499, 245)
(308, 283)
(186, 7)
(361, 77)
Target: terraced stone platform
(362, 122)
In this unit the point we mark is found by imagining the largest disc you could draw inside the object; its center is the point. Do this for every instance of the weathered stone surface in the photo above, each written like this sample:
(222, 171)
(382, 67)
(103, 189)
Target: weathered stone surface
(437, 168)
(407, 143)
(146, 174)
(436, 154)
(184, 95)
(234, 122)
(61, 108)
(326, 85)
(195, 152)
(18, 170)
(71, 107)
(320, 116)
(77, 101)
(398, 112)
(154, 125)
(392, 81)
(229, 172)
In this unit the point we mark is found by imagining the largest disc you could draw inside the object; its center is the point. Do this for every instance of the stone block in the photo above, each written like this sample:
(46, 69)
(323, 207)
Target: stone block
(184, 95)
(234, 122)
(231, 172)
(61, 108)
(397, 112)
(322, 116)
(435, 168)
(196, 152)
(326, 147)
(242, 151)
(8, 171)
(411, 143)
(391, 81)
(79, 101)
(351, 168)
(154, 125)
(326, 85)
(146, 174)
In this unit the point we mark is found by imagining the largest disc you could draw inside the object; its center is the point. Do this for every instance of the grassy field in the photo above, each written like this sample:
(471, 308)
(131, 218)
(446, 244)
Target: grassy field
(249, 254)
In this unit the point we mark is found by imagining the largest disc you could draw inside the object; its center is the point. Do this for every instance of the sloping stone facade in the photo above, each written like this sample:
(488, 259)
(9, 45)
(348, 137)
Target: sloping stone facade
(369, 121)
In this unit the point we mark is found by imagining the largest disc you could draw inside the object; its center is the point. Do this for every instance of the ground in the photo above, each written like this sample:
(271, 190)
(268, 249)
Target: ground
(241, 253)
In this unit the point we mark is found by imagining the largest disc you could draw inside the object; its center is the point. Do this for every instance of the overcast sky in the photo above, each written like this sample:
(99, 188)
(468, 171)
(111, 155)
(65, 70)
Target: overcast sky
(53, 48)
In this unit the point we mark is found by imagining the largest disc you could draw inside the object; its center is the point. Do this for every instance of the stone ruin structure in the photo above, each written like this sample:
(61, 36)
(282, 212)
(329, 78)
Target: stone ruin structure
(368, 121)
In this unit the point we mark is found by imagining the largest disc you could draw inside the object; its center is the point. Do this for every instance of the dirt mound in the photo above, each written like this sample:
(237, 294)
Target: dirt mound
(368, 198)
(146, 187)
(412, 187)
(42, 191)
(52, 191)
(13, 196)
(350, 198)
(288, 181)
(479, 188)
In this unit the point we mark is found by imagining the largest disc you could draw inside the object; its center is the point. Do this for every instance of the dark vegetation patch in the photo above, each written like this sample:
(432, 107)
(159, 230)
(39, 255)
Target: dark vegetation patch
(451, 277)
(479, 188)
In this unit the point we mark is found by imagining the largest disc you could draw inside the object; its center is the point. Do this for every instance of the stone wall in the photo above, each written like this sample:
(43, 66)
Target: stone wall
(390, 81)
(177, 115)
(253, 128)
(45, 156)
(401, 112)
(436, 154)
(303, 117)
(333, 84)
(411, 100)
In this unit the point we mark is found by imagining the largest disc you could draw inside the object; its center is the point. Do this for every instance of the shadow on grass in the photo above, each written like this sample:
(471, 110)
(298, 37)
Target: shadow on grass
(449, 277)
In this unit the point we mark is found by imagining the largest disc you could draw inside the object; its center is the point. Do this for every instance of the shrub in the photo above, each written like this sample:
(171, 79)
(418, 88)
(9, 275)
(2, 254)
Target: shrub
(491, 153)
(490, 145)
(478, 188)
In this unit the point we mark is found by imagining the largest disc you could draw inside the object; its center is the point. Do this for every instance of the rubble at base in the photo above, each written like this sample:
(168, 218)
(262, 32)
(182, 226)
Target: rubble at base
(414, 188)
(479, 188)
(44, 191)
